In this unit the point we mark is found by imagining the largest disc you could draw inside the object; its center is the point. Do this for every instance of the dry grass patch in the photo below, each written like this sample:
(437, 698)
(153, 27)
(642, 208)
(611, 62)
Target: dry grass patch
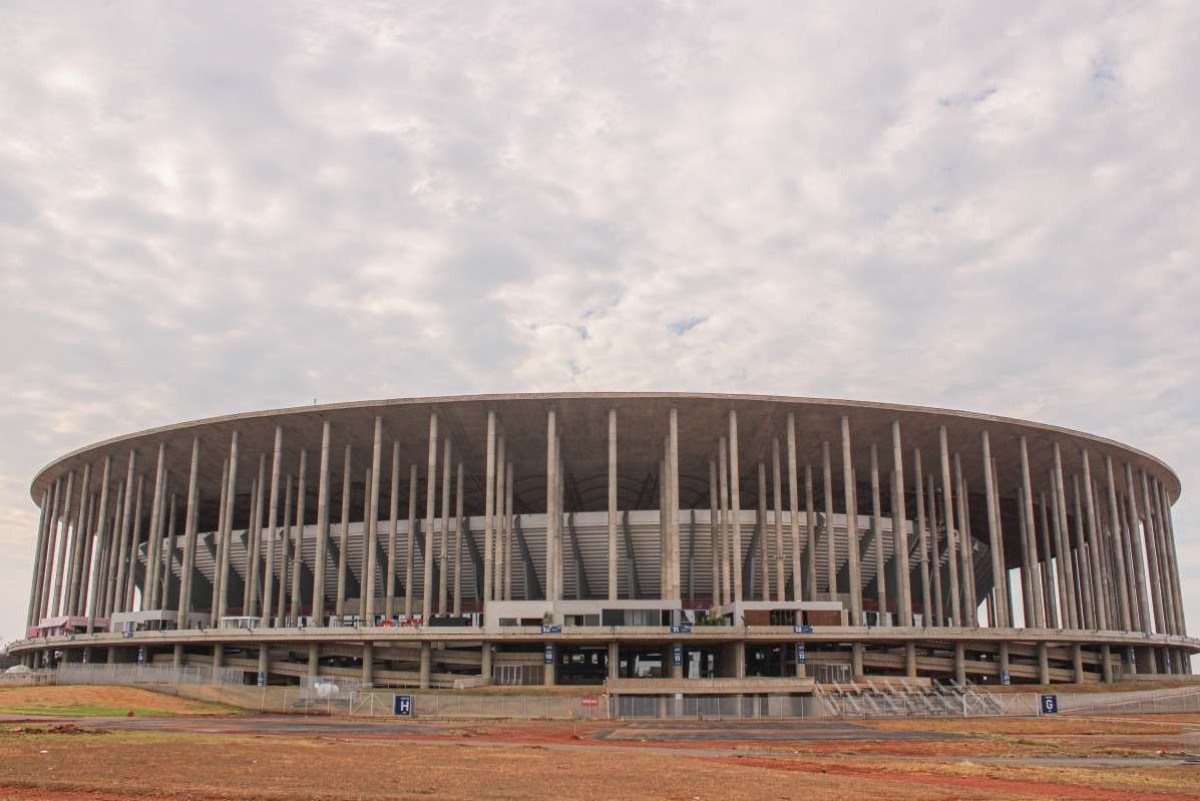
(100, 701)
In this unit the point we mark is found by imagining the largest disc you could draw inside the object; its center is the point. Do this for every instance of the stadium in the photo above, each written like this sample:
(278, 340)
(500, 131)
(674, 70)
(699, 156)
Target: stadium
(660, 544)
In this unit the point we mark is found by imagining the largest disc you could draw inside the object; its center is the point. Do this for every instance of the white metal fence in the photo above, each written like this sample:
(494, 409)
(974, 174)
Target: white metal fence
(127, 674)
(1179, 700)
(324, 696)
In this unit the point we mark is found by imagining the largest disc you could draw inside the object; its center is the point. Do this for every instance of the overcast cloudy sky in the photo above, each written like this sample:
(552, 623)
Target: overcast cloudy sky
(216, 207)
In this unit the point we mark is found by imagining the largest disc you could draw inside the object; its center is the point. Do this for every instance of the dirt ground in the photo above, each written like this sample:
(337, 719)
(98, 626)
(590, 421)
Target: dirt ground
(286, 758)
(103, 743)
(66, 763)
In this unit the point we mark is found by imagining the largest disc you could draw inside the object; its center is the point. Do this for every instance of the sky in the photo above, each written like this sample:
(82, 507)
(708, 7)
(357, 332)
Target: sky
(217, 207)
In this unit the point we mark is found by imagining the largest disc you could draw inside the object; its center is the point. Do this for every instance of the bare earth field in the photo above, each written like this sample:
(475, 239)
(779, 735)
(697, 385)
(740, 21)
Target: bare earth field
(176, 749)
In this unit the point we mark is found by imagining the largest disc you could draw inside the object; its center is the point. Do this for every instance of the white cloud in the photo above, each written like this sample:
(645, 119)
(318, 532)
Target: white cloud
(206, 208)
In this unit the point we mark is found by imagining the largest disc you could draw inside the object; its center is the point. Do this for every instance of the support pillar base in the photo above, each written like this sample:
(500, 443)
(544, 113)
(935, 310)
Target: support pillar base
(485, 662)
(427, 664)
(368, 664)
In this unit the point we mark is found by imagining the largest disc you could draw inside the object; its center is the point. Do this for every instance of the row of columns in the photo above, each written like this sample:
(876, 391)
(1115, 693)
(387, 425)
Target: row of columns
(1108, 563)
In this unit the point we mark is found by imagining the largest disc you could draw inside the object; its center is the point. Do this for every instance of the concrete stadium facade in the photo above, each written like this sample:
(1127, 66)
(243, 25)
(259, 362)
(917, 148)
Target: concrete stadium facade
(654, 542)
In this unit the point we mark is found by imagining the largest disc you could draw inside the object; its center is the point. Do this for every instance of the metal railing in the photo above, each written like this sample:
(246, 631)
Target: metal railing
(868, 699)
(714, 707)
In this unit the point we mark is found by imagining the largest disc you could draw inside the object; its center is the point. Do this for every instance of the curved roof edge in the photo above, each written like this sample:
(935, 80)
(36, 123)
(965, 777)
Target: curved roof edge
(1175, 490)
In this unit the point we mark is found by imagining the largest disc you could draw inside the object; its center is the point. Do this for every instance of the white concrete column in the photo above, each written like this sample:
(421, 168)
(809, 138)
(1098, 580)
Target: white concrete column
(172, 546)
(922, 540)
(830, 548)
(613, 580)
(1062, 559)
(154, 541)
(714, 525)
(854, 558)
(298, 545)
(509, 480)
(64, 545)
(458, 538)
(70, 536)
(117, 602)
(663, 525)
(191, 516)
(764, 552)
(135, 540)
(1136, 546)
(1009, 610)
(735, 499)
(230, 495)
(1083, 567)
(1108, 560)
(1150, 491)
(492, 592)
(1095, 548)
(776, 481)
(1060, 492)
(255, 583)
(726, 595)
(389, 583)
(559, 505)
(1165, 505)
(82, 534)
(999, 574)
(285, 545)
(1125, 605)
(810, 534)
(1046, 569)
(371, 526)
(877, 535)
(1026, 567)
(956, 610)
(91, 526)
(1165, 558)
(935, 554)
(39, 560)
(343, 536)
(410, 542)
(103, 535)
(1038, 611)
(489, 504)
(426, 665)
(794, 509)
(368, 663)
(430, 523)
(51, 545)
(900, 529)
(966, 552)
(318, 596)
(1155, 579)
(272, 533)
(444, 546)
(673, 550)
